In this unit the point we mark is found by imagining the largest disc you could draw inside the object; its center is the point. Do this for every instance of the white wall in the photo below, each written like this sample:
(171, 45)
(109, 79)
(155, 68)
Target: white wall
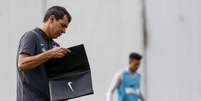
(174, 50)
(110, 30)
(16, 17)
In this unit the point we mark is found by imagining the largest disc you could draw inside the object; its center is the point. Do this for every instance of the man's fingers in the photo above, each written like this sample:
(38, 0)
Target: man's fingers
(60, 52)
(66, 49)
(60, 55)
(69, 50)
(63, 51)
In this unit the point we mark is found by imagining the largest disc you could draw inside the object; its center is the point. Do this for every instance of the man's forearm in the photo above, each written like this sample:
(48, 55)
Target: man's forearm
(30, 62)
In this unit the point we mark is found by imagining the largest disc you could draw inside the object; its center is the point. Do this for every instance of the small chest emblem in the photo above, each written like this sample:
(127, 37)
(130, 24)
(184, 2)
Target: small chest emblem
(43, 47)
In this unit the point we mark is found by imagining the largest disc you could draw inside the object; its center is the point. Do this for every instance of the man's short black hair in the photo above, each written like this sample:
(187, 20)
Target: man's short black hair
(58, 11)
(135, 55)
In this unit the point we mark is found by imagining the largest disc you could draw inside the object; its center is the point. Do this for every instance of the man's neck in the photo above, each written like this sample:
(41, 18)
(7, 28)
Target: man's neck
(44, 28)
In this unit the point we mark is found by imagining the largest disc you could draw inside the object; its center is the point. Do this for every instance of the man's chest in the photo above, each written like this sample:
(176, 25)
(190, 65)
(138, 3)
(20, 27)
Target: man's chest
(44, 45)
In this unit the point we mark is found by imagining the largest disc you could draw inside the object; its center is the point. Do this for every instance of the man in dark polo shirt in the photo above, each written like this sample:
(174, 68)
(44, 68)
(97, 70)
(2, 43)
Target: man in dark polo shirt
(36, 47)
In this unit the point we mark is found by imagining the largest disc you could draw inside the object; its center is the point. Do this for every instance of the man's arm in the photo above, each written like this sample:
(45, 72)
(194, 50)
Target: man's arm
(115, 83)
(27, 62)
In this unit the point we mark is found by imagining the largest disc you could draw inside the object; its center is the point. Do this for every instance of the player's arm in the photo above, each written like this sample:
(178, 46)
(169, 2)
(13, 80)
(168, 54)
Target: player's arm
(141, 96)
(27, 62)
(115, 83)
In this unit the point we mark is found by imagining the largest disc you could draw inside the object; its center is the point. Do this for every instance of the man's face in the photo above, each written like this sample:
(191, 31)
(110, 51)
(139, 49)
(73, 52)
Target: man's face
(58, 27)
(134, 64)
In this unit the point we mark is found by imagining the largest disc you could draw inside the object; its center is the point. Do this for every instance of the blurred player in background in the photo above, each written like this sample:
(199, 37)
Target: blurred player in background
(127, 82)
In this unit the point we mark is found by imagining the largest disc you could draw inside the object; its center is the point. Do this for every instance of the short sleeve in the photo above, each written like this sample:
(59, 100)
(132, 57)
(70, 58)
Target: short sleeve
(27, 44)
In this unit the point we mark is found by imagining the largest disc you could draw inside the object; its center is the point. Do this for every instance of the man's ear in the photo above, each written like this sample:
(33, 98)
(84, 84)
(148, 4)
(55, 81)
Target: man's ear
(51, 18)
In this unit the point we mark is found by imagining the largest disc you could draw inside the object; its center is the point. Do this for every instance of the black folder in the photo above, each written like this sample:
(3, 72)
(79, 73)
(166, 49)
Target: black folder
(70, 76)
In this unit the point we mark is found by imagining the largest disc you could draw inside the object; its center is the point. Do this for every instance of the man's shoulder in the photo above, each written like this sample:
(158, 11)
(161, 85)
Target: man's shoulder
(29, 34)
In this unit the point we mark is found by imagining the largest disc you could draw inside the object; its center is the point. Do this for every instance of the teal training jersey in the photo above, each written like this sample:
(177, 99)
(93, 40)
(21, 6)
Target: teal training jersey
(129, 88)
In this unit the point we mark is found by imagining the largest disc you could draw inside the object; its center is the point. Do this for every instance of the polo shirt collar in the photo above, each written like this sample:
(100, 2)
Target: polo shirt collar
(43, 34)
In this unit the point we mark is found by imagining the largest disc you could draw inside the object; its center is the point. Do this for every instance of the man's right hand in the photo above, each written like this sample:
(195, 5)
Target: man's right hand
(58, 52)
